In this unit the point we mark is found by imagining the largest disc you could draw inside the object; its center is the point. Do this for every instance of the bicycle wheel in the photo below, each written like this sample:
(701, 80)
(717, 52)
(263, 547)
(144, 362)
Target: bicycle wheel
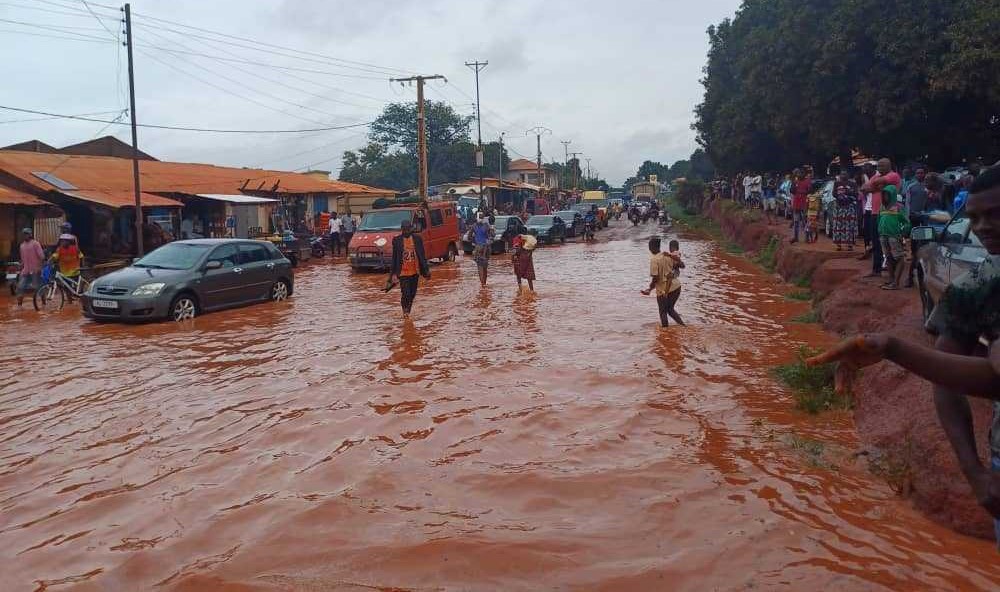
(49, 297)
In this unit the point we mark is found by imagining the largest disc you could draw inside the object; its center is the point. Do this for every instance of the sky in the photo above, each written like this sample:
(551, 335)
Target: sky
(619, 80)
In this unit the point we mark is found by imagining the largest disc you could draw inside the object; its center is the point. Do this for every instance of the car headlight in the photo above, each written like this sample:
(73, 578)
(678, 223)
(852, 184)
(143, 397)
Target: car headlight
(149, 289)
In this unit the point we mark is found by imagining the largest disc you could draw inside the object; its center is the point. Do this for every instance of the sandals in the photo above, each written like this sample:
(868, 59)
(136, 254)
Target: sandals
(890, 287)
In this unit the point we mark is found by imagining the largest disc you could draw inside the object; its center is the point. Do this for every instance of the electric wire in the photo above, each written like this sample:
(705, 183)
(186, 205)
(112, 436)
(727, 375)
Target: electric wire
(187, 128)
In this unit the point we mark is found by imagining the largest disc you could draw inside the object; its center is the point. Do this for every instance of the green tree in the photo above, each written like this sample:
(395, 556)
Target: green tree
(799, 81)
(390, 158)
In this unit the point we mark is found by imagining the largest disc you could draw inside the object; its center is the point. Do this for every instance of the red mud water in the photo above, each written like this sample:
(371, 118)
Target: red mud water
(501, 441)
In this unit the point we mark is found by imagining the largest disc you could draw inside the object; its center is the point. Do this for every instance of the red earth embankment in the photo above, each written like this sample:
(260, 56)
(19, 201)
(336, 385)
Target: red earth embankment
(893, 409)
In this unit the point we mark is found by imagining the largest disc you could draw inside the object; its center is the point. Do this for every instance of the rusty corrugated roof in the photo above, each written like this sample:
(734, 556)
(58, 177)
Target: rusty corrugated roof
(123, 199)
(112, 176)
(13, 197)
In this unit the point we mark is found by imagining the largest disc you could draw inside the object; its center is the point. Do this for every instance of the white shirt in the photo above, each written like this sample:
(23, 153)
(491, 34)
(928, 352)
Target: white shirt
(335, 224)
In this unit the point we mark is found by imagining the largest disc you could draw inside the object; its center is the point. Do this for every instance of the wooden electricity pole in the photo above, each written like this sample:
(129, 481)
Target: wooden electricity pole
(135, 135)
(421, 128)
(538, 131)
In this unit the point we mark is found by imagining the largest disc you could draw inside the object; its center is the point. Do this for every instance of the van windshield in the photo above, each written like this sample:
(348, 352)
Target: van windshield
(385, 220)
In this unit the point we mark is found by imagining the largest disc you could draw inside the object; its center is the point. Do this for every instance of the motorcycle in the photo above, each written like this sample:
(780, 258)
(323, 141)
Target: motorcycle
(664, 219)
(318, 246)
(589, 233)
(634, 217)
(13, 273)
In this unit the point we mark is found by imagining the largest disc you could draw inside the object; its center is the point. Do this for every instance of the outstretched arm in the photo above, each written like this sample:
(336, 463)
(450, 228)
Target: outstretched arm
(950, 370)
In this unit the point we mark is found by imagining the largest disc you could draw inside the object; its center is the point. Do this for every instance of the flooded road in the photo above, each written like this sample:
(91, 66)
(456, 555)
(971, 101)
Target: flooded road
(499, 442)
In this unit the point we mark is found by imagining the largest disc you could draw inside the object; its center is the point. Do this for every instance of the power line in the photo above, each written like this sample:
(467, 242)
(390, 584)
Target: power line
(75, 13)
(114, 35)
(83, 39)
(258, 42)
(226, 90)
(258, 91)
(186, 129)
(215, 47)
(254, 44)
(58, 117)
(264, 64)
(56, 28)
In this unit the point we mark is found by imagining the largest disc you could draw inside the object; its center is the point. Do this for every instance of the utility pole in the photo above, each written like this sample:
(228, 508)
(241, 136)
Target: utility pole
(538, 131)
(588, 169)
(565, 144)
(135, 134)
(576, 157)
(480, 156)
(421, 128)
(500, 174)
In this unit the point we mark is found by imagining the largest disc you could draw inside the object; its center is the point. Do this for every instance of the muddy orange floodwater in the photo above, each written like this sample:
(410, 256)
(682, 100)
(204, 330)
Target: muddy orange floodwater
(501, 441)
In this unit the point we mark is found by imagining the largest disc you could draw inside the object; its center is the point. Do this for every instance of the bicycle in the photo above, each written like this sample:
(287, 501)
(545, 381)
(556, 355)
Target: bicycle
(56, 288)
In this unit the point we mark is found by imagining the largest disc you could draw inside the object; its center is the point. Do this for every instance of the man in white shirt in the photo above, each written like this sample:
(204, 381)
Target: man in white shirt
(335, 225)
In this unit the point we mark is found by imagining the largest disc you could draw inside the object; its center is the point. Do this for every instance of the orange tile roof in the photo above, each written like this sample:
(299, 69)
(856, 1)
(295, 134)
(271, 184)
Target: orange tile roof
(113, 176)
(13, 197)
(523, 164)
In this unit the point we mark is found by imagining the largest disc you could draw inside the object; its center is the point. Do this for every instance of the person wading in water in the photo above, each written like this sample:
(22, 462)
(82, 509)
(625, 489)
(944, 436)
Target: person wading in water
(408, 263)
(661, 272)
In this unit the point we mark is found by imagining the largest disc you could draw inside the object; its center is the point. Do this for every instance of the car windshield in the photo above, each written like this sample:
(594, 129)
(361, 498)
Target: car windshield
(174, 256)
(500, 223)
(566, 216)
(540, 221)
(385, 220)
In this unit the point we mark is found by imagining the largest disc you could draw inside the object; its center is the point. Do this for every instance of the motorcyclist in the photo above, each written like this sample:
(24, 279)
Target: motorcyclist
(590, 220)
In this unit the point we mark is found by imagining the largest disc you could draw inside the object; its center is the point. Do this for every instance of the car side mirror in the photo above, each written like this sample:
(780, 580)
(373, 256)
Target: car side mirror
(214, 264)
(924, 233)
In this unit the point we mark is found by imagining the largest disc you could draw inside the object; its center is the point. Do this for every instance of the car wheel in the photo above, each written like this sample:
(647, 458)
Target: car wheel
(183, 308)
(926, 301)
(279, 291)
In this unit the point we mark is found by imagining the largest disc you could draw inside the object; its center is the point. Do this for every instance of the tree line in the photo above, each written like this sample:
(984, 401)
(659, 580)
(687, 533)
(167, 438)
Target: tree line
(792, 82)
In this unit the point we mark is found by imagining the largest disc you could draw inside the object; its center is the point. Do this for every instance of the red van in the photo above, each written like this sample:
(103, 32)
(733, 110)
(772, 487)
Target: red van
(436, 222)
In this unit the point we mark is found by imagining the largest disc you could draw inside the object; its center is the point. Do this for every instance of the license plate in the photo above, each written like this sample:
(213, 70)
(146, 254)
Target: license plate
(11, 277)
(105, 304)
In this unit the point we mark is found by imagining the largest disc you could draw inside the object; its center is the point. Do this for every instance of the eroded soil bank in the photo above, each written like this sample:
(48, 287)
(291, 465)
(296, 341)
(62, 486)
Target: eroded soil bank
(893, 409)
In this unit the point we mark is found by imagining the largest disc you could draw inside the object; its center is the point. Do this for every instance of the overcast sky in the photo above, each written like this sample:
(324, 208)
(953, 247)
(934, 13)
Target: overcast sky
(619, 79)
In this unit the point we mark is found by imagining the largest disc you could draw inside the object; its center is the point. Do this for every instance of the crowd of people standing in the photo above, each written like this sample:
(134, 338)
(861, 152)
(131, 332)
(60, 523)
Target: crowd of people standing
(873, 203)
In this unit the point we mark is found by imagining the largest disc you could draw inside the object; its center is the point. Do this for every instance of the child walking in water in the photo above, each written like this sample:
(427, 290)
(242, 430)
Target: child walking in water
(524, 265)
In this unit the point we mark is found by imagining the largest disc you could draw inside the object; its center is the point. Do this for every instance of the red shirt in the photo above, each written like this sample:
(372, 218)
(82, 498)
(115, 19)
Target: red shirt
(800, 194)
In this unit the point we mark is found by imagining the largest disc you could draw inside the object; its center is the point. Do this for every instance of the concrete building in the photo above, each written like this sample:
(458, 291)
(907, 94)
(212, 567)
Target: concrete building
(526, 171)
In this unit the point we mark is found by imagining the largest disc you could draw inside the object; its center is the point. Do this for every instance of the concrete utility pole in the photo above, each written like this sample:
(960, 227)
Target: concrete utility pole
(538, 131)
(421, 128)
(135, 135)
(480, 156)
(565, 144)
(588, 169)
(576, 156)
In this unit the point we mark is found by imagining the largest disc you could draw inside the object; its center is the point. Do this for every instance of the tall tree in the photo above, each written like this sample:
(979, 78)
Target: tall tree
(799, 81)
(390, 158)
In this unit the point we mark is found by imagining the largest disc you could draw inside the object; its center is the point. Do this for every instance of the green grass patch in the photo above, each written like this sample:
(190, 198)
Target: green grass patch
(804, 295)
(811, 316)
(802, 282)
(813, 451)
(812, 386)
(767, 256)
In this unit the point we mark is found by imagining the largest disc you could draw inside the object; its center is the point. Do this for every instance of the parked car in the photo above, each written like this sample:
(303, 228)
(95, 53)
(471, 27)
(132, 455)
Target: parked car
(573, 221)
(183, 279)
(548, 229)
(514, 226)
(437, 225)
(948, 254)
(953, 174)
